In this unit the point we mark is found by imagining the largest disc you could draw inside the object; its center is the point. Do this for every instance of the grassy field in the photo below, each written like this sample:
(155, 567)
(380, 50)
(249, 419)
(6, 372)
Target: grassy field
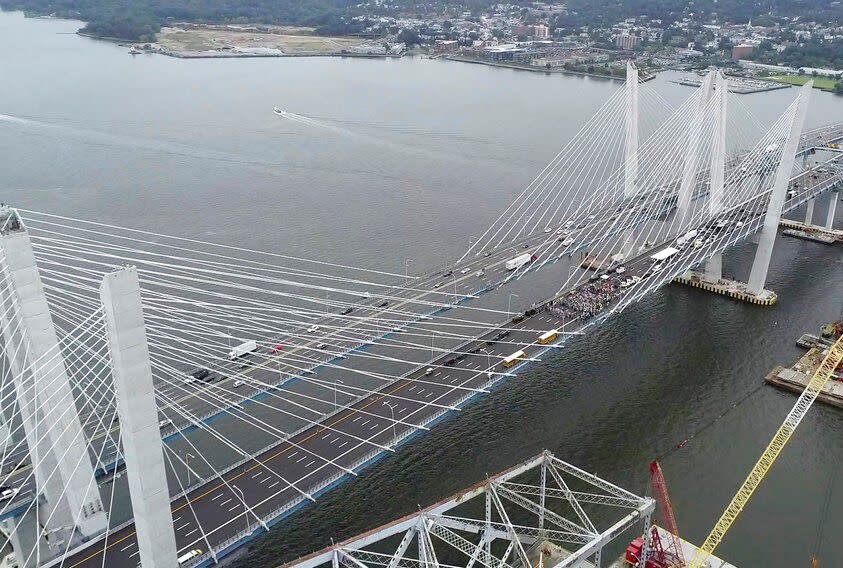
(824, 83)
(291, 41)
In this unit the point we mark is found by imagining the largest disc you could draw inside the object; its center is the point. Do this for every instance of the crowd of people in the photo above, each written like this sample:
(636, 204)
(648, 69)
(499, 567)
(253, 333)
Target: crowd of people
(587, 300)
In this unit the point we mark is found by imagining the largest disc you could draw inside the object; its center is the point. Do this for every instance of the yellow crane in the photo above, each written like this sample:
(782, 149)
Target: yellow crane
(822, 375)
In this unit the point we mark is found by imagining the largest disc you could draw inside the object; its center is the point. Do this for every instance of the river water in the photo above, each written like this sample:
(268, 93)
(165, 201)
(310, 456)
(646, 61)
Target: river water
(409, 158)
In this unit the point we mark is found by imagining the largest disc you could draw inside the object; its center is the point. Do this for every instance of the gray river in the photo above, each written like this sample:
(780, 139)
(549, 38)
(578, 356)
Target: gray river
(406, 159)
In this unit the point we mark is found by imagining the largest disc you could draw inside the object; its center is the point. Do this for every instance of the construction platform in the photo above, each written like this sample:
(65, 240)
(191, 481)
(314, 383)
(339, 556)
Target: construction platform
(730, 288)
(795, 379)
(816, 233)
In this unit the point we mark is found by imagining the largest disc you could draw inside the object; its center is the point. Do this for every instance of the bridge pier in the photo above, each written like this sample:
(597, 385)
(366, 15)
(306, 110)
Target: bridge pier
(71, 509)
(30, 550)
(714, 266)
(142, 447)
(809, 210)
(834, 197)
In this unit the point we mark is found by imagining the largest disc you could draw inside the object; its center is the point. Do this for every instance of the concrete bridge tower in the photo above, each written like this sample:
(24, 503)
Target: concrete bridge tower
(70, 508)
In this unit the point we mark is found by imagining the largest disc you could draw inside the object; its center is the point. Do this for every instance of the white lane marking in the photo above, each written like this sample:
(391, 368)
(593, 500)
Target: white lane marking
(366, 422)
(437, 373)
(343, 444)
(125, 548)
(356, 419)
(182, 526)
(190, 533)
(310, 464)
(273, 485)
(234, 507)
(301, 458)
(258, 474)
(135, 553)
(226, 501)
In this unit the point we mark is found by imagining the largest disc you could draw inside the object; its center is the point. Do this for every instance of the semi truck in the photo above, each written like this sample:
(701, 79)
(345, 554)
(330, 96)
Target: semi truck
(242, 349)
(519, 261)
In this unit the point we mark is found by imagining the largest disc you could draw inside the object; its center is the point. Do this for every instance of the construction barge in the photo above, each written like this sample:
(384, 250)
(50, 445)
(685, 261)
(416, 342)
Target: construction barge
(796, 378)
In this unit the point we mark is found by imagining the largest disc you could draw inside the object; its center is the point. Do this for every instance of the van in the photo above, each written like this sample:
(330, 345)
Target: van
(322, 346)
(313, 328)
(188, 556)
(428, 371)
(237, 384)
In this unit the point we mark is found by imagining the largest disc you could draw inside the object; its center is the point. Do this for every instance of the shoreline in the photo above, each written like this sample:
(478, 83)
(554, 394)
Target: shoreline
(523, 67)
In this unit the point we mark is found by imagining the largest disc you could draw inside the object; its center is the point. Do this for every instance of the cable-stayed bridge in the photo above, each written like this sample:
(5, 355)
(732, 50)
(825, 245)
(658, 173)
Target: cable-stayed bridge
(218, 389)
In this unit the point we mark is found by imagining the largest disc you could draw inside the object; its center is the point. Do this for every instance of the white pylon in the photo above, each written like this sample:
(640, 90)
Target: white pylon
(142, 448)
(57, 444)
(714, 265)
(689, 171)
(764, 252)
(630, 148)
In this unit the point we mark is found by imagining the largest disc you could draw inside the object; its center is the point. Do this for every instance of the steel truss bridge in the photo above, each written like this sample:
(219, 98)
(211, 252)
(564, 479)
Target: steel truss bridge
(220, 389)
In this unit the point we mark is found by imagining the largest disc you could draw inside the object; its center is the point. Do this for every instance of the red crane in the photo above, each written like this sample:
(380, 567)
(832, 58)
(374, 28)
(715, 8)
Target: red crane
(660, 556)
(674, 547)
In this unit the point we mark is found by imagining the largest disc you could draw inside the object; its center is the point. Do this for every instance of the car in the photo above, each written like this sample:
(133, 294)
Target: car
(568, 224)
(7, 492)
(591, 217)
(428, 371)
(437, 285)
(487, 254)
(346, 311)
(620, 270)
(189, 380)
(164, 423)
(383, 304)
(547, 229)
(480, 273)
(200, 374)
(322, 346)
(448, 274)
(237, 384)
(526, 245)
(465, 271)
(450, 362)
(277, 348)
(366, 295)
(560, 231)
(604, 277)
(312, 329)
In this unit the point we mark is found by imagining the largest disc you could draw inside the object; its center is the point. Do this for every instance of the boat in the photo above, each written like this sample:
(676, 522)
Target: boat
(278, 111)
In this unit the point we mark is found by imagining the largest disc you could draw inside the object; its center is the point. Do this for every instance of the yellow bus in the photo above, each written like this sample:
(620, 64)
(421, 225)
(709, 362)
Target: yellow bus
(548, 336)
(513, 359)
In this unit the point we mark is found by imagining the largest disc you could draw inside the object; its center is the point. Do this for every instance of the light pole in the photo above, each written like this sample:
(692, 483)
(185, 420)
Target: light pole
(336, 406)
(245, 507)
(187, 457)
(432, 337)
(488, 363)
(392, 412)
(509, 304)
(407, 262)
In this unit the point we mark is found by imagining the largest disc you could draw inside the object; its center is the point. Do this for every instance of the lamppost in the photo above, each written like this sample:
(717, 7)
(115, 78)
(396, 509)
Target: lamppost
(187, 457)
(392, 412)
(336, 406)
(509, 303)
(407, 262)
(432, 337)
(488, 363)
(245, 507)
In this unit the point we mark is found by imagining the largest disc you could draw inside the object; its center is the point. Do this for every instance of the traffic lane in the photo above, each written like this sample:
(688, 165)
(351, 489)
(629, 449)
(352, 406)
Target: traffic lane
(361, 427)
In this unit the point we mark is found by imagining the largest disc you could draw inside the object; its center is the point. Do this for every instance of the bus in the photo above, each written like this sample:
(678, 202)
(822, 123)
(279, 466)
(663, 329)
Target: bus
(188, 556)
(513, 359)
(548, 336)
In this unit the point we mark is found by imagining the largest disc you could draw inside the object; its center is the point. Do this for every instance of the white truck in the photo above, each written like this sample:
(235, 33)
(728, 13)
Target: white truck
(242, 349)
(518, 261)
